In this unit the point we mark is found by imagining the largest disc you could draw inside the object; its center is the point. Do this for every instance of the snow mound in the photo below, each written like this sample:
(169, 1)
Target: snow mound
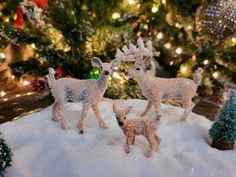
(42, 149)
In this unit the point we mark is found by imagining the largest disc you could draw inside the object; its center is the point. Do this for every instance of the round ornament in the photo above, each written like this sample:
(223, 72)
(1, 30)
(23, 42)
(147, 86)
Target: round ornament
(216, 20)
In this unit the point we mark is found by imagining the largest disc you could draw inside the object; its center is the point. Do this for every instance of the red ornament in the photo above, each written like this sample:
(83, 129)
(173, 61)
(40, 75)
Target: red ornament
(41, 3)
(37, 85)
(19, 18)
(58, 72)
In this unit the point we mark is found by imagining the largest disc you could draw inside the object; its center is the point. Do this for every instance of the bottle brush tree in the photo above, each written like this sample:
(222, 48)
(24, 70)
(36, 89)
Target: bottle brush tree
(223, 131)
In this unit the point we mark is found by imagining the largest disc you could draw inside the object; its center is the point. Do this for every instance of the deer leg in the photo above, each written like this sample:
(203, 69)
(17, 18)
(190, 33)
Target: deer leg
(55, 111)
(158, 140)
(58, 114)
(101, 123)
(157, 107)
(188, 106)
(152, 145)
(133, 140)
(128, 143)
(148, 107)
(85, 110)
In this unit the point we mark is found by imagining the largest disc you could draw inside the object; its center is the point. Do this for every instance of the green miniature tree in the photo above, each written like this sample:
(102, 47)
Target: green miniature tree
(5, 156)
(223, 131)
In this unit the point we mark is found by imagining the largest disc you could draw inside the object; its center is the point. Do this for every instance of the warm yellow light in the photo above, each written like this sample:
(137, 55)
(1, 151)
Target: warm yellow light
(2, 93)
(116, 15)
(17, 95)
(163, 2)
(205, 62)
(178, 50)
(6, 19)
(116, 68)
(160, 35)
(2, 55)
(26, 82)
(189, 27)
(33, 46)
(5, 99)
(167, 45)
(233, 40)
(116, 75)
(154, 9)
(215, 75)
(29, 93)
(184, 69)
(12, 77)
(171, 63)
(131, 2)
(178, 25)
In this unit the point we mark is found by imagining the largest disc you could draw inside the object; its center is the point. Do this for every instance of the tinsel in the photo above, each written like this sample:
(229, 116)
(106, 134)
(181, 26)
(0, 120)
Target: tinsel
(217, 20)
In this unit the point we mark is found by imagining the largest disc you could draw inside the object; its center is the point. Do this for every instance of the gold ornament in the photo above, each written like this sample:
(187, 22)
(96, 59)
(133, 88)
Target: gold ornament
(217, 20)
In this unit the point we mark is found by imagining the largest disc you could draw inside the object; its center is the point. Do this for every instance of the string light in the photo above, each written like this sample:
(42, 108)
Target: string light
(233, 40)
(171, 63)
(160, 35)
(2, 93)
(178, 25)
(26, 82)
(116, 15)
(178, 50)
(29, 93)
(17, 95)
(5, 99)
(163, 2)
(154, 9)
(215, 75)
(167, 45)
(205, 62)
(12, 77)
(2, 55)
(189, 27)
(131, 2)
(33, 46)
(183, 69)
(116, 75)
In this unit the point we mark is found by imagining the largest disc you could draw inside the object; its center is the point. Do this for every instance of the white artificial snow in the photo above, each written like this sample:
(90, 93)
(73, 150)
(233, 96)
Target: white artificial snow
(42, 148)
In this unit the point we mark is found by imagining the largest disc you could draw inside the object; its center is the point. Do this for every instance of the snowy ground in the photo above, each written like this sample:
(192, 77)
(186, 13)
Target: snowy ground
(42, 149)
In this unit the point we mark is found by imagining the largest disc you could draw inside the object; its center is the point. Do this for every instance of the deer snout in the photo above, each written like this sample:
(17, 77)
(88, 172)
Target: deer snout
(106, 72)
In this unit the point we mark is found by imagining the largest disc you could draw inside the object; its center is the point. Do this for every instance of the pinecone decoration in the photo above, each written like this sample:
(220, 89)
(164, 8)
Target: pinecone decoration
(217, 20)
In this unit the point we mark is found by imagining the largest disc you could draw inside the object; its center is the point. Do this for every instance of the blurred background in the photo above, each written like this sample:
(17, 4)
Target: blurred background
(65, 34)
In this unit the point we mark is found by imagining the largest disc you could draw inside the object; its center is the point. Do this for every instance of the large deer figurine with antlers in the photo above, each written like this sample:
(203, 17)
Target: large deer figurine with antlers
(89, 92)
(154, 88)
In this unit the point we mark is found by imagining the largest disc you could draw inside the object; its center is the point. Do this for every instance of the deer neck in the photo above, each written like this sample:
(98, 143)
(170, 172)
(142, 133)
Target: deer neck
(103, 82)
(143, 80)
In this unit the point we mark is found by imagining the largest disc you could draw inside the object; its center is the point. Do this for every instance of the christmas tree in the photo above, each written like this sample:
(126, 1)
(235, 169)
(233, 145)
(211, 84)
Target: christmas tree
(224, 129)
(5, 156)
(67, 33)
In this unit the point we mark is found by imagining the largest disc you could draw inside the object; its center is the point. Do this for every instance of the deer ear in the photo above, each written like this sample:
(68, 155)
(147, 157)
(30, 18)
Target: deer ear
(127, 110)
(149, 45)
(115, 63)
(96, 62)
(140, 43)
(147, 64)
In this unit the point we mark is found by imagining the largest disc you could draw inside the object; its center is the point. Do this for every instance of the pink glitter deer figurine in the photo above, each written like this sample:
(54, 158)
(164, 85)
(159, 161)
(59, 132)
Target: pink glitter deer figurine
(154, 88)
(89, 92)
(138, 126)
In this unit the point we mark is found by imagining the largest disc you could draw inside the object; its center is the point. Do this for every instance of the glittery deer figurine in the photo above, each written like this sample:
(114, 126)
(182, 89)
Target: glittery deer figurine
(154, 88)
(137, 126)
(89, 92)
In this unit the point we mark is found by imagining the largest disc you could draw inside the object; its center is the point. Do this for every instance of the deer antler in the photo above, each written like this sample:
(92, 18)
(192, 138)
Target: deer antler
(134, 53)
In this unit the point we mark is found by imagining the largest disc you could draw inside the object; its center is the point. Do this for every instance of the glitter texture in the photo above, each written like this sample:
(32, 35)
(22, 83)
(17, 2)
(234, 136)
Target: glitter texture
(154, 88)
(88, 92)
(138, 126)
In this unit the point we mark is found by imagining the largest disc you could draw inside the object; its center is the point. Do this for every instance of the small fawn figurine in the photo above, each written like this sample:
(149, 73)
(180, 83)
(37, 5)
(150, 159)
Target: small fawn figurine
(154, 88)
(89, 92)
(138, 126)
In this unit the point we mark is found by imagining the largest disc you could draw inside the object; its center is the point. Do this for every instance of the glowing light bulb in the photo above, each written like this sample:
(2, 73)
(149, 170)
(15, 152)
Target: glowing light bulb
(26, 82)
(205, 62)
(233, 40)
(163, 2)
(160, 35)
(5, 99)
(189, 27)
(171, 63)
(154, 9)
(178, 50)
(2, 93)
(33, 46)
(13, 77)
(2, 55)
(116, 15)
(17, 95)
(29, 93)
(116, 75)
(184, 69)
(131, 2)
(167, 45)
(215, 75)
